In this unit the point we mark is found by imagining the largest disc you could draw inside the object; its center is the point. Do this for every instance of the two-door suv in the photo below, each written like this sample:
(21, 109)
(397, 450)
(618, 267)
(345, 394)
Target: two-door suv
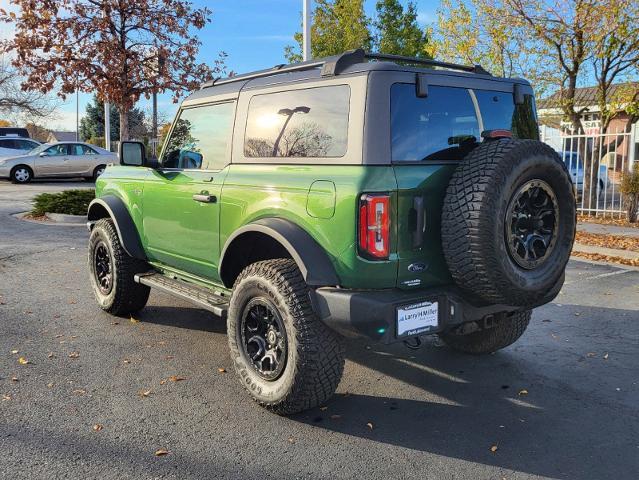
(361, 195)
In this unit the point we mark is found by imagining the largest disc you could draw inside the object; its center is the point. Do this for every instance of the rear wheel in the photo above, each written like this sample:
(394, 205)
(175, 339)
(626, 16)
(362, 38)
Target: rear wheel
(112, 271)
(21, 174)
(505, 331)
(286, 358)
(99, 170)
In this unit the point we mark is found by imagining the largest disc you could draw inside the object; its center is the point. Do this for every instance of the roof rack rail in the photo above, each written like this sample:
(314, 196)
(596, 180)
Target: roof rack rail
(331, 66)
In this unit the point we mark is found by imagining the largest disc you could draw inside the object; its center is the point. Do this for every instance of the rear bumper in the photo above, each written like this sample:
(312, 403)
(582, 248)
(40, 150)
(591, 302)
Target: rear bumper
(372, 314)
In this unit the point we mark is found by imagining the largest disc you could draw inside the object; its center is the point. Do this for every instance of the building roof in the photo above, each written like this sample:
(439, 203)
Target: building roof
(584, 97)
(61, 136)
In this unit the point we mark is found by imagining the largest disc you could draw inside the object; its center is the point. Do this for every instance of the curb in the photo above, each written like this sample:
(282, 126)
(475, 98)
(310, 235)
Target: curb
(20, 216)
(64, 218)
(611, 252)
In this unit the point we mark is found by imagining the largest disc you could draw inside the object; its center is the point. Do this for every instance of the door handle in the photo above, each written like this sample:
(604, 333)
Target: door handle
(204, 198)
(418, 234)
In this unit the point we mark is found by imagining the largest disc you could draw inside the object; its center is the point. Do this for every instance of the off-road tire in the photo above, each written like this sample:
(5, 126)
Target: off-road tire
(474, 217)
(505, 332)
(315, 354)
(125, 296)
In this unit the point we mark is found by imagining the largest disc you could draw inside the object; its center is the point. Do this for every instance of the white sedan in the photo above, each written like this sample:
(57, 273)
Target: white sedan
(57, 160)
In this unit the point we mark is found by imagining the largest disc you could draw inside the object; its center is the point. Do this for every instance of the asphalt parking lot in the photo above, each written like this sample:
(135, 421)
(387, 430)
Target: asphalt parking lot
(99, 397)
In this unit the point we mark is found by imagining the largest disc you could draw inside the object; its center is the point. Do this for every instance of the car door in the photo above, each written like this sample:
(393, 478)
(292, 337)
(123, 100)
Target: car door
(82, 159)
(54, 161)
(181, 197)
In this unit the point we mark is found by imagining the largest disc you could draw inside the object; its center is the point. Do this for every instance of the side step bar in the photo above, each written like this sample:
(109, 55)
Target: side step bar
(200, 296)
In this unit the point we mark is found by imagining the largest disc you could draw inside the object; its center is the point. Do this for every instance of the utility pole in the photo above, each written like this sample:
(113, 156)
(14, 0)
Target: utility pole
(306, 30)
(107, 126)
(77, 114)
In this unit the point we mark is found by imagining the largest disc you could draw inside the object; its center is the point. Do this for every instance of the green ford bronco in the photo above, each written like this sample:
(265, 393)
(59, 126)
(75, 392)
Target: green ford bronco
(360, 195)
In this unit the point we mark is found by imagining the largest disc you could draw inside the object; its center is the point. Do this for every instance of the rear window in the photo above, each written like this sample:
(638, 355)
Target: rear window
(446, 125)
(299, 123)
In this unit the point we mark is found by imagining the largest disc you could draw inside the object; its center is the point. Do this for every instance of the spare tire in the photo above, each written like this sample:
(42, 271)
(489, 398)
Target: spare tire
(508, 222)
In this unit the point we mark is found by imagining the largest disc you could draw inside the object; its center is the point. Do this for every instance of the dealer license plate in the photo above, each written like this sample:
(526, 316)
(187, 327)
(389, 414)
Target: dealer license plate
(417, 318)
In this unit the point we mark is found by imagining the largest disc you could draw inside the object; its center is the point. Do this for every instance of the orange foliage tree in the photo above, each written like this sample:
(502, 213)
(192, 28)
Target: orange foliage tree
(119, 49)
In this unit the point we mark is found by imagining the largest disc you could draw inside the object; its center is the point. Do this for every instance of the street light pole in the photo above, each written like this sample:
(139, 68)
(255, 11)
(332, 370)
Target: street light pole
(306, 30)
(107, 126)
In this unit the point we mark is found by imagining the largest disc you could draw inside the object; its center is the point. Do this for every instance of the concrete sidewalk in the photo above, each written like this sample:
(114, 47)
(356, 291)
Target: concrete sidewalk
(601, 229)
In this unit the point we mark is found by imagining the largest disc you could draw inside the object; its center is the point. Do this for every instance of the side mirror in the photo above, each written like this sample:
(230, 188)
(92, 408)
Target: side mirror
(43, 154)
(132, 153)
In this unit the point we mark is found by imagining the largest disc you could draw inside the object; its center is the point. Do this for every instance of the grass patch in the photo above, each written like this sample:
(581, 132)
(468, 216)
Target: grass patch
(70, 202)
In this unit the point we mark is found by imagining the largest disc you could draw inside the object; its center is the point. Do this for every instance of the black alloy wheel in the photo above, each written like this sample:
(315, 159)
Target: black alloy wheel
(103, 269)
(531, 224)
(263, 338)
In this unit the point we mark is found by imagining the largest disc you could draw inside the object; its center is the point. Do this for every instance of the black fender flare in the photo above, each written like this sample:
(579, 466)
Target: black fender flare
(312, 260)
(114, 207)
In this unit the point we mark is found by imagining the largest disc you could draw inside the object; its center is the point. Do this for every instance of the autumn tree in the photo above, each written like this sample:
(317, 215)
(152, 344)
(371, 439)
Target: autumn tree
(471, 32)
(398, 32)
(121, 50)
(18, 103)
(338, 25)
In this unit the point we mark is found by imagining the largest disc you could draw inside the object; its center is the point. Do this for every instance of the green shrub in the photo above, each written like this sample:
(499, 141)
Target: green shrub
(630, 190)
(71, 202)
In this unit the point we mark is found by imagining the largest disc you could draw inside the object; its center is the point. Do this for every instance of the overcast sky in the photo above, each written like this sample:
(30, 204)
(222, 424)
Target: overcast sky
(252, 32)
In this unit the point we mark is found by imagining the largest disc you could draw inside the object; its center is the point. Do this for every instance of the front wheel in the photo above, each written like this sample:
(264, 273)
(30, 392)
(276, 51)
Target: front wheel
(112, 270)
(286, 358)
(506, 331)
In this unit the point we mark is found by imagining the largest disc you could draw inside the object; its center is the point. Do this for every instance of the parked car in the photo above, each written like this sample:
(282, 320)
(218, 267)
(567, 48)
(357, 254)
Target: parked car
(575, 165)
(12, 145)
(340, 197)
(14, 131)
(57, 160)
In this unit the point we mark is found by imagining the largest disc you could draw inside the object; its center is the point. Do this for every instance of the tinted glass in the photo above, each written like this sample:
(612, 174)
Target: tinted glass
(25, 144)
(57, 150)
(498, 110)
(442, 126)
(7, 143)
(200, 138)
(300, 123)
(78, 149)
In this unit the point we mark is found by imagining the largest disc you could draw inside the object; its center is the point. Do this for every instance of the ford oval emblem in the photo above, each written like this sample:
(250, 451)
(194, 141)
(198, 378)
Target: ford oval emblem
(417, 267)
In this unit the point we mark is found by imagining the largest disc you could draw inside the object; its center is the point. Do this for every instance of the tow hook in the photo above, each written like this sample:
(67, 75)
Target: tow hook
(413, 346)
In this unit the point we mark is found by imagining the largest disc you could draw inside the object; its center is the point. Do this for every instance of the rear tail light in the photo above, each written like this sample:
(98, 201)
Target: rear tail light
(374, 226)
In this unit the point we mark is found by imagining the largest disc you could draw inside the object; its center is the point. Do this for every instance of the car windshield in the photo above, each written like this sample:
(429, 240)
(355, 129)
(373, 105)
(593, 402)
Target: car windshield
(39, 149)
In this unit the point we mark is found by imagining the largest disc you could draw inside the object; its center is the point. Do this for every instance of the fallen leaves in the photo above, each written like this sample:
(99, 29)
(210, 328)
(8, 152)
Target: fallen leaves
(15, 379)
(607, 258)
(161, 452)
(14, 351)
(176, 378)
(74, 355)
(370, 425)
(494, 448)
(608, 241)
(97, 427)
(144, 393)
(523, 392)
(23, 361)
(5, 398)
(221, 370)
(133, 320)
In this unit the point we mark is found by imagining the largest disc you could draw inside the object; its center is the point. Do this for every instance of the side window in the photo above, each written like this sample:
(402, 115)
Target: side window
(442, 126)
(200, 137)
(299, 123)
(8, 143)
(498, 110)
(57, 150)
(26, 145)
(79, 149)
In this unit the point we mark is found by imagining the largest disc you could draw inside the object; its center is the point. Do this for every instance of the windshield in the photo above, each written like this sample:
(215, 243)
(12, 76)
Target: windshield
(39, 149)
(448, 123)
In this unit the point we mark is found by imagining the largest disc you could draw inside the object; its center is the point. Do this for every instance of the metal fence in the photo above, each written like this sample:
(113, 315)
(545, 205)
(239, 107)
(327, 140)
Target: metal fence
(596, 161)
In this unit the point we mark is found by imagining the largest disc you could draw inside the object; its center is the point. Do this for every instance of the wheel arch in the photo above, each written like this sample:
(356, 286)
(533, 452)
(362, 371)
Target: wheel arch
(269, 238)
(112, 207)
